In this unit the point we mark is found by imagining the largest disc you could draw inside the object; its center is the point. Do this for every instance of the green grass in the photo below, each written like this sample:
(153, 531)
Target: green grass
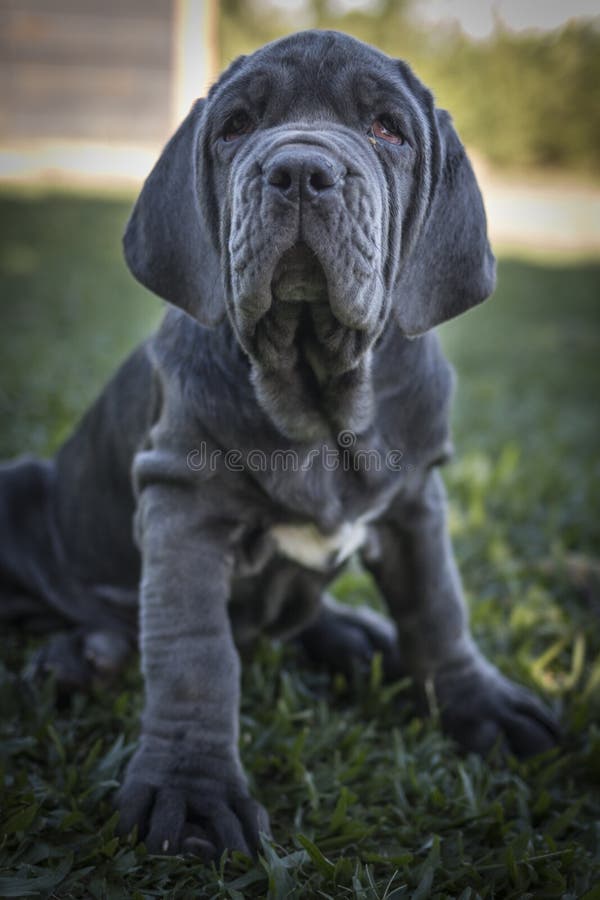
(366, 800)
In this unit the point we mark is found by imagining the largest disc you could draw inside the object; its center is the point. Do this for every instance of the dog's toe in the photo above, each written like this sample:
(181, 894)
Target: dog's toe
(482, 709)
(202, 822)
(345, 639)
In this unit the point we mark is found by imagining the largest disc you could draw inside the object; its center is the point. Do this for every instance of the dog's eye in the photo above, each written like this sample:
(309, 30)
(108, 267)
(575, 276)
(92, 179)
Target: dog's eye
(236, 126)
(386, 130)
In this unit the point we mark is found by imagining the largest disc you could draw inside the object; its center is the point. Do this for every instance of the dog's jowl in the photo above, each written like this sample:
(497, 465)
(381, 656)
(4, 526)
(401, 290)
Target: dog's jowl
(310, 222)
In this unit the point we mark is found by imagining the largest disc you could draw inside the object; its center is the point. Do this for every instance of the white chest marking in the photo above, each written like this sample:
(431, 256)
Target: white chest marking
(310, 547)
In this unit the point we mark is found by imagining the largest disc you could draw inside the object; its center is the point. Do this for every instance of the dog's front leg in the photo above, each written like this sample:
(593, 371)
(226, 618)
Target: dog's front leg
(416, 572)
(185, 787)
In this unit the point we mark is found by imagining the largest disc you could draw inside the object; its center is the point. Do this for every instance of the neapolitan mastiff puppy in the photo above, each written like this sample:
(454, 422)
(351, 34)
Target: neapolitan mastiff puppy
(310, 222)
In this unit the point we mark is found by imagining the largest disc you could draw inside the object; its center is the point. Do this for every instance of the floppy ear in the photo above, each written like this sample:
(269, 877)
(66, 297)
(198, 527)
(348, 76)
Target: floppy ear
(451, 266)
(167, 242)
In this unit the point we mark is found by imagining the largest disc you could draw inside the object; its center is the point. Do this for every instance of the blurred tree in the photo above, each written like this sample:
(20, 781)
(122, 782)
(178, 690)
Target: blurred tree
(526, 100)
(245, 25)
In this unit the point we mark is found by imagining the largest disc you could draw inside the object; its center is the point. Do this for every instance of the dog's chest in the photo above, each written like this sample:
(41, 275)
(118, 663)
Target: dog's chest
(318, 506)
(328, 513)
(308, 545)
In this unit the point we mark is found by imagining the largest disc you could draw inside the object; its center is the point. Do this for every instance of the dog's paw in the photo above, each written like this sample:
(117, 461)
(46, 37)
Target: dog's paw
(481, 708)
(204, 819)
(77, 659)
(345, 639)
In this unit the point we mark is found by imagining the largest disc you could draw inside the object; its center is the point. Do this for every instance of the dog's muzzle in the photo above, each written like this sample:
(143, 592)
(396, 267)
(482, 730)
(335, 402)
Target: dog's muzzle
(306, 228)
(297, 176)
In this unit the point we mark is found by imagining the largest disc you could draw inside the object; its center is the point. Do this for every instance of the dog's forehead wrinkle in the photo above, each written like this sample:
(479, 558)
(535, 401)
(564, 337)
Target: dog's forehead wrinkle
(252, 90)
(372, 88)
(329, 71)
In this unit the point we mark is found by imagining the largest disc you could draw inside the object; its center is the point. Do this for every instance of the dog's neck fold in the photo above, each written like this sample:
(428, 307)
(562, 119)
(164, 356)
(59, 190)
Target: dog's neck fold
(311, 374)
(306, 410)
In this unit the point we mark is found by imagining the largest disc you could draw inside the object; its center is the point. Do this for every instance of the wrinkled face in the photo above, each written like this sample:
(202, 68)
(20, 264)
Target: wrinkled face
(319, 148)
(316, 188)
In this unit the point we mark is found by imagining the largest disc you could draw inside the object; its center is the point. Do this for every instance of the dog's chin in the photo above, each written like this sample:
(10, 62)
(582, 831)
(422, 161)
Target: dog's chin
(310, 368)
(299, 277)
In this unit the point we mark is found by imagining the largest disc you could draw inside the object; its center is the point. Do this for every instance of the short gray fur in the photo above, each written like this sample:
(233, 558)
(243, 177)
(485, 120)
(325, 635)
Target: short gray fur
(306, 261)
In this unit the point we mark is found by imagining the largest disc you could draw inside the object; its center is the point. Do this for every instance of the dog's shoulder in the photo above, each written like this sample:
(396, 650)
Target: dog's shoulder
(206, 374)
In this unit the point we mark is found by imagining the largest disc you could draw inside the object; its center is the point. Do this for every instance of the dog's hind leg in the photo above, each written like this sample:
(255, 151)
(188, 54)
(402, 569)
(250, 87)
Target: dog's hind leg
(338, 637)
(345, 639)
(37, 593)
(27, 555)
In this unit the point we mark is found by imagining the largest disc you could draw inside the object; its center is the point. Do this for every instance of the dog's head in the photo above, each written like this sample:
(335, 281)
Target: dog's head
(313, 194)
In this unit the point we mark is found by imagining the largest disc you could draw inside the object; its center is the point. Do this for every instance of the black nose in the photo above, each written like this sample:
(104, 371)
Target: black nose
(302, 172)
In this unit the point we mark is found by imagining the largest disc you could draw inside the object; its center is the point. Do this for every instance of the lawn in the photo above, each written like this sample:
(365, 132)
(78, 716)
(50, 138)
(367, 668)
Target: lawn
(366, 799)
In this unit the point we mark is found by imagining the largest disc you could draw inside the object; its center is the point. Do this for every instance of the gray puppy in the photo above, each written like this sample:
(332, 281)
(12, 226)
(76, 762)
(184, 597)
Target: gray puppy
(310, 222)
